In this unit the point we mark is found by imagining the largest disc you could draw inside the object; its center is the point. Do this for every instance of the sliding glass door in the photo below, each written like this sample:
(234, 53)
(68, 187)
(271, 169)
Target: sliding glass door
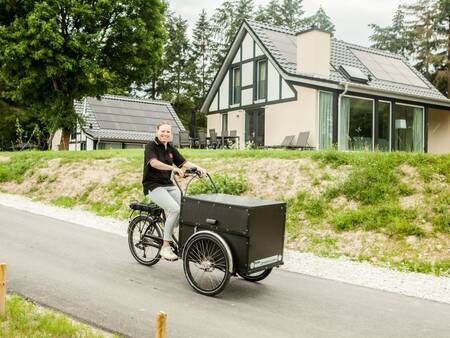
(325, 120)
(383, 140)
(356, 124)
(408, 128)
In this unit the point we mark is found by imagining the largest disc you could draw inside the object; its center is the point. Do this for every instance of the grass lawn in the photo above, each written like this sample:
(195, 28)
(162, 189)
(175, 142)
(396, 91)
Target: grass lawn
(24, 319)
(386, 208)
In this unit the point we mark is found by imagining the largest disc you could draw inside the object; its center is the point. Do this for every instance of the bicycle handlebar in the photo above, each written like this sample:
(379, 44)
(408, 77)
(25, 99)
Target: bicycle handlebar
(194, 172)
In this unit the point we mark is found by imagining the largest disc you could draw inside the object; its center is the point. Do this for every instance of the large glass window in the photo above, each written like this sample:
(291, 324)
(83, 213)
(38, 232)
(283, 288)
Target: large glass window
(409, 128)
(236, 90)
(261, 92)
(384, 126)
(356, 124)
(325, 120)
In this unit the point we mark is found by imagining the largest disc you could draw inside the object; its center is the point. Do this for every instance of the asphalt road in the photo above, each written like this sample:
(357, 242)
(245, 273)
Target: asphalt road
(91, 275)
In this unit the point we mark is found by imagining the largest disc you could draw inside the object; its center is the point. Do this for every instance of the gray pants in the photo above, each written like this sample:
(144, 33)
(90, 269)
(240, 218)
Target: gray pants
(168, 198)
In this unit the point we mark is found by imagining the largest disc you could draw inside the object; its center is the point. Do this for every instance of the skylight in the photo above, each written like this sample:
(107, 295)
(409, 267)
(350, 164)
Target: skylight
(354, 74)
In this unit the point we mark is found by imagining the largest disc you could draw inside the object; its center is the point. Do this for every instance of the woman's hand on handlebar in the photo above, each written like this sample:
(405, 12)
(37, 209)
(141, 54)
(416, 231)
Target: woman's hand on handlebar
(201, 172)
(178, 171)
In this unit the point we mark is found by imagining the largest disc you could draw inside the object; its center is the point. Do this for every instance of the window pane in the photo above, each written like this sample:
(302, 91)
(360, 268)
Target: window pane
(236, 85)
(384, 139)
(262, 67)
(408, 132)
(355, 124)
(325, 120)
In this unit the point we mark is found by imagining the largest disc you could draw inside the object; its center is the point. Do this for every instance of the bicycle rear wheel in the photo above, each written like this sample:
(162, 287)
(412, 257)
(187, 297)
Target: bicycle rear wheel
(145, 239)
(257, 276)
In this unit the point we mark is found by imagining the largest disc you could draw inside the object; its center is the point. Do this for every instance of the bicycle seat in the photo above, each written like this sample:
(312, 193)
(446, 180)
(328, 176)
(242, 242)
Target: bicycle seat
(150, 208)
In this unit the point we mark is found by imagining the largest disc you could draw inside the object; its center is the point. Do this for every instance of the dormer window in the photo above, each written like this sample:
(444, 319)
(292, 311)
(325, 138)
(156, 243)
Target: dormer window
(236, 89)
(261, 80)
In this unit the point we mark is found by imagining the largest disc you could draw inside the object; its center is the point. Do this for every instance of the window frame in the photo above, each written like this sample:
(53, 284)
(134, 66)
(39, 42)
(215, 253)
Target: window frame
(258, 80)
(235, 89)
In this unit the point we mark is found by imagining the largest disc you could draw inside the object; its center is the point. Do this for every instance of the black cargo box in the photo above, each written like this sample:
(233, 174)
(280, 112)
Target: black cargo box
(253, 228)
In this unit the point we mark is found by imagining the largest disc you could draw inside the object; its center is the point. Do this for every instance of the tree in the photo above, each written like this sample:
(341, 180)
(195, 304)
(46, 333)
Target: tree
(178, 67)
(395, 38)
(286, 13)
(225, 24)
(320, 20)
(55, 52)
(420, 32)
(202, 57)
(442, 78)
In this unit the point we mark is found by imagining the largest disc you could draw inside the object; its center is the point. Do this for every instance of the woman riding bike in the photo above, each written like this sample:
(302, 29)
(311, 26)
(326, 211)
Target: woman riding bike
(159, 160)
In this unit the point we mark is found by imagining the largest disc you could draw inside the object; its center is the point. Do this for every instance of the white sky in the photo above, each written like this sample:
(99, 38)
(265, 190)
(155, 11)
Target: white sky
(350, 17)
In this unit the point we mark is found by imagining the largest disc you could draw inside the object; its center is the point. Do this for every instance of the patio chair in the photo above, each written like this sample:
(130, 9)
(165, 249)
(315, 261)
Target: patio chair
(287, 142)
(185, 140)
(202, 139)
(302, 141)
(213, 140)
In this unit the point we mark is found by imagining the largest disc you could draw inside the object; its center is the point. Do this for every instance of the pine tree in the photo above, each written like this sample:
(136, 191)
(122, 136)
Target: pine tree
(424, 35)
(320, 20)
(395, 38)
(201, 55)
(286, 13)
(442, 76)
(225, 23)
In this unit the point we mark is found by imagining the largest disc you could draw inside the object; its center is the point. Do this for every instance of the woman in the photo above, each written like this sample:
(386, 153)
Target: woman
(159, 160)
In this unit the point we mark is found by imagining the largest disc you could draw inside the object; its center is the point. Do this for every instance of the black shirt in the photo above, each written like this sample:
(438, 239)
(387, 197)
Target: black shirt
(154, 178)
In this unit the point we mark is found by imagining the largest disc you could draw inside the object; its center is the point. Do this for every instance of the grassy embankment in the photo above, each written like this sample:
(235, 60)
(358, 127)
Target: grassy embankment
(387, 208)
(24, 319)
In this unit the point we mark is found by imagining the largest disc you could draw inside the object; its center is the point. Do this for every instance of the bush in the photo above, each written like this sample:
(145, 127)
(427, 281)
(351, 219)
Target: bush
(225, 184)
(389, 219)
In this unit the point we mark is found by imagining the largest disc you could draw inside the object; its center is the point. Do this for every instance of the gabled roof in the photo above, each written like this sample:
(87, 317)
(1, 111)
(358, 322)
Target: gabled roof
(125, 118)
(280, 44)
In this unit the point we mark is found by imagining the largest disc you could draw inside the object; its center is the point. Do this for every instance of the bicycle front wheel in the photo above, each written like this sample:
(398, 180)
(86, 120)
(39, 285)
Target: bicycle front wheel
(145, 239)
(206, 264)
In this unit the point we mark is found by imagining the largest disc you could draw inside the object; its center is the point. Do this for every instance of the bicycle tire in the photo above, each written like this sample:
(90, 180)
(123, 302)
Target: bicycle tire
(257, 276)
(204, 254)
(139, 242)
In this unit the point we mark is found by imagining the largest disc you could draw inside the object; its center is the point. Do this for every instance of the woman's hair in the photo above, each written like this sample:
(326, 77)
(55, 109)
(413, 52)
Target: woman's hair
(162, 123)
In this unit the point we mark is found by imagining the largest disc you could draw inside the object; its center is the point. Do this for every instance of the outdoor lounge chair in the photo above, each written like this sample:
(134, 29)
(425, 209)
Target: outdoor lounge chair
(302, 141)
(287, 142)
(185, 140)
(202, 139)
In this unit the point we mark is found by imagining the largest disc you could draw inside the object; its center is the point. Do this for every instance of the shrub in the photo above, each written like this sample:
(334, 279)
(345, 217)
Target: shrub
(389, 219)
(225, 184)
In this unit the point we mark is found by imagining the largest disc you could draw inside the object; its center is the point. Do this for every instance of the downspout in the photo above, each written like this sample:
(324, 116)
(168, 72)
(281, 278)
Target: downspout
(339, 109)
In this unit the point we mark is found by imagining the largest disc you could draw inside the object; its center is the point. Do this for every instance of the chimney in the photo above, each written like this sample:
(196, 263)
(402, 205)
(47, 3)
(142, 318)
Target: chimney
(313, 52)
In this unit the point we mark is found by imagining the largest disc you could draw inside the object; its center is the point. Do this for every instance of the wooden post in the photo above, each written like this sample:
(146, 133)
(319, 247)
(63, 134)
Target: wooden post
(2, 289)
(161, 324)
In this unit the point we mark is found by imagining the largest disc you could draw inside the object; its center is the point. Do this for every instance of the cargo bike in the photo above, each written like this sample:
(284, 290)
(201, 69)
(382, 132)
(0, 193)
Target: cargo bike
(220, 236)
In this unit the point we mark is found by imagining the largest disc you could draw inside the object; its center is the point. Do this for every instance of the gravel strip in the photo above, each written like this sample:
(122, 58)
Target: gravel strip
(342, 269)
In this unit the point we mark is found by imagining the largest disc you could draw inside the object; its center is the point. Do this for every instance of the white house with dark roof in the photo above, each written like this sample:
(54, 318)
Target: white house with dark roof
(119, 122)
(275, 82)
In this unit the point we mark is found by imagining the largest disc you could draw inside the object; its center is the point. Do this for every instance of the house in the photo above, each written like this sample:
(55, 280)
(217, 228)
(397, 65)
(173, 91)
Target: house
(120, 122)
(276, 82)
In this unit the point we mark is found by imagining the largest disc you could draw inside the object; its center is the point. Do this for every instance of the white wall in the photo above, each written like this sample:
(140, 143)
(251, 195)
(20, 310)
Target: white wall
(214, 121)
(438, 131)
(247, 47)
(247, 96)
(290, 118)
(286, 91)
(247, 74)
(237, 57)
(224, 93)
(214, 106)
(273, 83)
